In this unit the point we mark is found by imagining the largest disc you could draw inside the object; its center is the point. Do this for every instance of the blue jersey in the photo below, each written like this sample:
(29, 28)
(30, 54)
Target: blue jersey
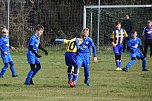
(133, 44)
(34, 41)
(4, 44)
(84, 47)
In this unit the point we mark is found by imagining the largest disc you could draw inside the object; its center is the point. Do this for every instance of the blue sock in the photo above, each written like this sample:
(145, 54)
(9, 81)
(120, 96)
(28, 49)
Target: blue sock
(120, 63)
(144, 63)
(4, 69)
(117, 63)
(130, 64)
(75, 77)
(70, 76)
(29, 76)
(12, 68)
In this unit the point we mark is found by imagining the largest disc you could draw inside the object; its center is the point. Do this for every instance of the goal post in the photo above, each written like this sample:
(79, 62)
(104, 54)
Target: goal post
(108, 13)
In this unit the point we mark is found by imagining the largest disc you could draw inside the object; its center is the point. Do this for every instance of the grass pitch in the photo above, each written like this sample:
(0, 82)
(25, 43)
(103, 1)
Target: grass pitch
(51, 82)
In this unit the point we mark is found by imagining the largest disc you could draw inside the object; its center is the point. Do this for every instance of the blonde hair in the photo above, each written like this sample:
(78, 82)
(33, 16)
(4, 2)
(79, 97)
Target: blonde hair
(5, 30)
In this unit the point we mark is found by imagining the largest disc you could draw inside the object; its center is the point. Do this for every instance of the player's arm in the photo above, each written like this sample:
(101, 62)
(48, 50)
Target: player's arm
(41, 48)
(112, 39)
(1, 46)
(94, 51)
(65, 41)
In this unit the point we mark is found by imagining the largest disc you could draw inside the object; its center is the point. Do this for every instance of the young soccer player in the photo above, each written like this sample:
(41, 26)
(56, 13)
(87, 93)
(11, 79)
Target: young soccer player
(133, 44)
(70, 59)
(83, 58)
(33, 56)
(117, 38)
(147, 33)
(5, 53)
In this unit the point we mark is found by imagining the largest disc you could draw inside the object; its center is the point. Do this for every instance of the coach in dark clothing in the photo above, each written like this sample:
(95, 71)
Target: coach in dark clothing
(127, 25)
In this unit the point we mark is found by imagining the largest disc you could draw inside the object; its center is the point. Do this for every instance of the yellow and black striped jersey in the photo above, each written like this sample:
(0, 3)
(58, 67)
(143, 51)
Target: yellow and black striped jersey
(70, 45)
(118, 36)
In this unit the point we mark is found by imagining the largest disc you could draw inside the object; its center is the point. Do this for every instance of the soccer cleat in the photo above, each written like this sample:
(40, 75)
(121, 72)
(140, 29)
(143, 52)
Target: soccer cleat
(145, 70)
(26, 83)
(31, 82)
(13, 76)
(88, 83)
(124, 69)
(118, 69)
(1, 76)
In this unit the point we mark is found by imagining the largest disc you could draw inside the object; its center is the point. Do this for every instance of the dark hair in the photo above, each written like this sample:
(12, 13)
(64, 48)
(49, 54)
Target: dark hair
(39, 27)
(134, 32)
(116, 23)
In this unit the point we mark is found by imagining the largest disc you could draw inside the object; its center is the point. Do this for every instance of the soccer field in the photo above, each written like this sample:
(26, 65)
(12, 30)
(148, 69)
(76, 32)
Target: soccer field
(51, 82)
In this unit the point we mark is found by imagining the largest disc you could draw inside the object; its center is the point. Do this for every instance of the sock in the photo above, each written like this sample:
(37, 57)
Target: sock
(70, 76)
(117, 63)
(29, 76)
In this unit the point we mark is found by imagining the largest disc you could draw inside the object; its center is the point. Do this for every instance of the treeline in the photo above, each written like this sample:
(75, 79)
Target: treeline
(61, 18)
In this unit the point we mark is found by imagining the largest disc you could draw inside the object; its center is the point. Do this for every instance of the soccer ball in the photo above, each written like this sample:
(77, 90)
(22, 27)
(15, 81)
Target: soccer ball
(72, 84)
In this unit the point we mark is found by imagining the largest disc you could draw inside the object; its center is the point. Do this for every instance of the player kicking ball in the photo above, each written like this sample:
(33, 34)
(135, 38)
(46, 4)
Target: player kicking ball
(70, 59)
(33, 56)
(83, 57)
(5, 54)
(133, 44)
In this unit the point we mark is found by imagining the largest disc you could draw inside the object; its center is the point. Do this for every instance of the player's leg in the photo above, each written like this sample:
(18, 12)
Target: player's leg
(87, 69)
(30, 74)
(3, 70)
(38, 67)
(129, 64)
(68, 63)
(118, 61)
(12, 68)
(77, 65)
(31, 61)
(116, 52)
(146, 46)
(141, 56)
(5, 61)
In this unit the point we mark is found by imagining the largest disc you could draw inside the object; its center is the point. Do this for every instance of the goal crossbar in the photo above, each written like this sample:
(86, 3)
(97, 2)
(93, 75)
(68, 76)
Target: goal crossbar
(117, 6)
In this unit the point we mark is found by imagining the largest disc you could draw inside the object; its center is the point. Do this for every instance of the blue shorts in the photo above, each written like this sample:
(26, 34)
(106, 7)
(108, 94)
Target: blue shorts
(83, 59)
(6, 58)
(32, 59)
(118, 49)
(70, 58)
(137, 55)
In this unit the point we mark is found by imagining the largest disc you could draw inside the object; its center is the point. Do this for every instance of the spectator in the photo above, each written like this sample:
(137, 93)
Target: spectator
(127, 25)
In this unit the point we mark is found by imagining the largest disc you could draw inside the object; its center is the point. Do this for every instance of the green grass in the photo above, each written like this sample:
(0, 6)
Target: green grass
(51, 81)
